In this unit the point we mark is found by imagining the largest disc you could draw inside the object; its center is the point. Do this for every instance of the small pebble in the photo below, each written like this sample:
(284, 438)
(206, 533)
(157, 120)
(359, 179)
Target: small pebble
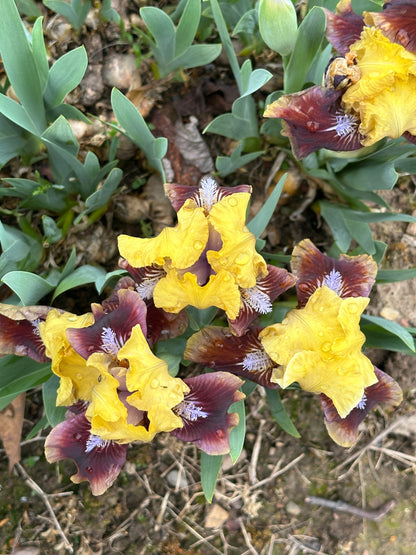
(293, 509)
(390, 313)
(172, 479)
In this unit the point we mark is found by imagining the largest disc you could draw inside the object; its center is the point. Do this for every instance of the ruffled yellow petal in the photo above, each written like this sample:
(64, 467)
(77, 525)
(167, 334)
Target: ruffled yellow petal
(105, 400)
(384, 96)
(391, 113)
(174, 292)
(238, 254)
(76, 379)
(148, 378)
(110, 417)
(319, 346)
(180, 246)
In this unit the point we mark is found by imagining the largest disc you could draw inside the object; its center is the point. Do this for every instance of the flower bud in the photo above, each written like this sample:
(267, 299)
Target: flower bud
(278, 25)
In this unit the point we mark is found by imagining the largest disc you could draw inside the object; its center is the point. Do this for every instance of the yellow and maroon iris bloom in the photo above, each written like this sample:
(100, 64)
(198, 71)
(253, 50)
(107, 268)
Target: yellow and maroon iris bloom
(377, 102)
(318, 345)
(116, 389)
(208, 259)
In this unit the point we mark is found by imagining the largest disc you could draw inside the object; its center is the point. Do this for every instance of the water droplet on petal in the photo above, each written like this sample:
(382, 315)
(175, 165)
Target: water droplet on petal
(326, 347)
(77, 436)
(79, 376)
(232, 201)
(312, 126)
(198, 245)
(242, 259)
(352, 308)
(154, 383)
(303, 287)
(89, 469)
(220, 434)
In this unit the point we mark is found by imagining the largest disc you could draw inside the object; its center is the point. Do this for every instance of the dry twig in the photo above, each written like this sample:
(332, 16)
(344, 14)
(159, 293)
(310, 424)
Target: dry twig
(44, 496)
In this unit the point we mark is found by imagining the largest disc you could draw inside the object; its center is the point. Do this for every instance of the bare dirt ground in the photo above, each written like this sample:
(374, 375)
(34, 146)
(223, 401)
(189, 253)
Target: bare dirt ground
(156, 505)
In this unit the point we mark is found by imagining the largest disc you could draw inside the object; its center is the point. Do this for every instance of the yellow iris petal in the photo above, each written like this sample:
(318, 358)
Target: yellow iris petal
(120, 420)
(384, 96)
(391, 113)
(319, 346)
(174, 292)
(181, 245)
(238, 254)
(76, 379)
(148, 377)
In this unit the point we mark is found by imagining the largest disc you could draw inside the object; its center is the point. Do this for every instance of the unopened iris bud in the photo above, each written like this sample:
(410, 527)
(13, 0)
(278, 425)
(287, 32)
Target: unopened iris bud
(278, 25)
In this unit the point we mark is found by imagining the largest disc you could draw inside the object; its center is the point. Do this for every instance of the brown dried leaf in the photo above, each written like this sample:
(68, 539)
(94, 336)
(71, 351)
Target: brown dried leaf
(11, 423)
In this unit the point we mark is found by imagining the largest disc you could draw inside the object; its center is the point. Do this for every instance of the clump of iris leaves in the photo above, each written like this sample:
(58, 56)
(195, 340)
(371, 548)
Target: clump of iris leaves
(190, 33)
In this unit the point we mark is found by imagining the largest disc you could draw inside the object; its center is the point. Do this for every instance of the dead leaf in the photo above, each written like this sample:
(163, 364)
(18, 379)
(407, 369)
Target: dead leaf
(11, 423)
(192, 146)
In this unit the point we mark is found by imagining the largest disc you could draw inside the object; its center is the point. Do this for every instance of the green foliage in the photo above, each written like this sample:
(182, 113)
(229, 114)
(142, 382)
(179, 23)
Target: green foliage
(279, 413)
(308, 43)
(172, 47)
(19, 250)
(210, 468)
(136, 129)
(54, 414)
(75, 12)
(18, 374)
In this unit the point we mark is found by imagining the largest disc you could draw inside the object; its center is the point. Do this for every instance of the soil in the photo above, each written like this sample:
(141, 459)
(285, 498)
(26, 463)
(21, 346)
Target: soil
(260, 506)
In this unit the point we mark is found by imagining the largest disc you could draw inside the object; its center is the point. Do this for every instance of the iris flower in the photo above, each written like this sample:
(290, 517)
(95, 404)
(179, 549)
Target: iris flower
(208, 259)
(318, 345)
(116, 390)
(369, 91)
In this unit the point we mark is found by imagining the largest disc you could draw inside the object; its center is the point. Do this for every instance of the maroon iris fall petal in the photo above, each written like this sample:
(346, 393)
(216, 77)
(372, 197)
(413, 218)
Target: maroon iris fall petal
(343, 27)
(204, 411)
(19, 331)
(99, 462)
(164, 325)
(242, 355)
(397, 21)
(178, 194)
(110, 330)
(350, 276)
(314, 119)
(112, 302)
(344, 431)
(258, 300)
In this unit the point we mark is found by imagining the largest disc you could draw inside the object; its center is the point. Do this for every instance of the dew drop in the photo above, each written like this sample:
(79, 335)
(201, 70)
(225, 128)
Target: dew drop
(303, 287)
(77, 436)
(232, 201)
(202, 349)
(79, 376)
(89, 469)
(154, 383)
(352, 308)
(198, 245)
(220, 434)
(312, 126)
(326, 347)
(242, 259)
